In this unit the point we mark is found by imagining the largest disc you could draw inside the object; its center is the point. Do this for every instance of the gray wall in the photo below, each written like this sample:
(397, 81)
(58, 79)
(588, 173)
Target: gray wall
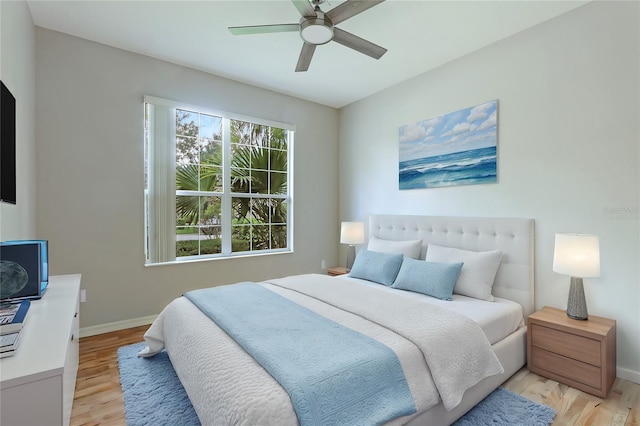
(568, 138)
(18, 73)
(90, 175)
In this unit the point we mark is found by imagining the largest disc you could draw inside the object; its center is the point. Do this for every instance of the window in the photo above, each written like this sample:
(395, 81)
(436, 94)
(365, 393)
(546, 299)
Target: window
(216, 185)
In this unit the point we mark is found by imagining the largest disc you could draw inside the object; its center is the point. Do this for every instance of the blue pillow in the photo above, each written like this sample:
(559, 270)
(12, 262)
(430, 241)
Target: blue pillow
(433, 279)
(378, 267)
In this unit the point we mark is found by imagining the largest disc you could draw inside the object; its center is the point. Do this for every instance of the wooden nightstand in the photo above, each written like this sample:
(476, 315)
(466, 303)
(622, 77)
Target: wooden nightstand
(581, 354)
(337, 270)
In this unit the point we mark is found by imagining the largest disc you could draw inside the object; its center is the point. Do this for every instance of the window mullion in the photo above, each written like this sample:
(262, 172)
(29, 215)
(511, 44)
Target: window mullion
(226, 187)
(289, 197)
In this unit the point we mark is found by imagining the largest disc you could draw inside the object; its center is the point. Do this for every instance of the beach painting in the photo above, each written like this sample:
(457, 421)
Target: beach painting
(458, 148)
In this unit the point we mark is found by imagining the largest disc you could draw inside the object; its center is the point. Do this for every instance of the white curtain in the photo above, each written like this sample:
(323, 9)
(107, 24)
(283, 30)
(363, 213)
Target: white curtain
(162, 181)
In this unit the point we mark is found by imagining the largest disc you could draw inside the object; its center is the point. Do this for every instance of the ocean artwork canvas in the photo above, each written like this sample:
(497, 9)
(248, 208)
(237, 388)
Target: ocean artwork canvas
(458, 148)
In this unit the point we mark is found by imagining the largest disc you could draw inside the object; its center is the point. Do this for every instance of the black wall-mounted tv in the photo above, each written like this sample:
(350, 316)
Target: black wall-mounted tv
(7, 145)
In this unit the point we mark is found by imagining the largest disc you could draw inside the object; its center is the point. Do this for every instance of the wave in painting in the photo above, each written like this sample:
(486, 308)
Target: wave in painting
(475, 166)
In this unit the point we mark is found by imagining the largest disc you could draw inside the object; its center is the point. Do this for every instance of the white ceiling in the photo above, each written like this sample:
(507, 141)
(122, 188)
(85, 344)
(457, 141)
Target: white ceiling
(419, 36)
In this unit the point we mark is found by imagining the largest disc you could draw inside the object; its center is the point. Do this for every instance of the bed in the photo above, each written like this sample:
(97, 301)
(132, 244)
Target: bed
(226, 385)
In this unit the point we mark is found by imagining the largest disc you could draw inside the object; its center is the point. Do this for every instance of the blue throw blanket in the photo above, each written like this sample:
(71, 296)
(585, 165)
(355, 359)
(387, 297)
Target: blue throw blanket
(334, 375)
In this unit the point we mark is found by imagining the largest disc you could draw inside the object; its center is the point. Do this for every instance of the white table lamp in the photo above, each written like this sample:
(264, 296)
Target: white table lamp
(351, 233)
(577, 255)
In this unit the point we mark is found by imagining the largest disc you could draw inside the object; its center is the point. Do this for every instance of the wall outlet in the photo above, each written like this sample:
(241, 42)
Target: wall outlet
(323, 264)
(83, 295)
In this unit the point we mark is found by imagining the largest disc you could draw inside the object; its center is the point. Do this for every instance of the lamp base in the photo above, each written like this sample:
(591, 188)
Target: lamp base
(577, 305)
(351, 256)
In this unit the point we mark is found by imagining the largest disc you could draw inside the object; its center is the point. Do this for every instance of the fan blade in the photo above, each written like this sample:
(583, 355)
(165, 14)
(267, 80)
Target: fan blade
(357, 43)
(349, 9)
(305, 57)
(262, 29)
(304, 7)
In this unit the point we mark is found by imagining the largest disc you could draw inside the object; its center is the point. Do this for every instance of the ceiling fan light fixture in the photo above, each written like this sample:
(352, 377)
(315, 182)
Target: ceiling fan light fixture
(316, 27)
(316, 31)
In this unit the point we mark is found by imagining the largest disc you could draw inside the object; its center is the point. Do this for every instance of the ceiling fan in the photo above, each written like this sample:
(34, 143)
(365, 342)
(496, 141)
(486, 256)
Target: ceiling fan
(317, 27)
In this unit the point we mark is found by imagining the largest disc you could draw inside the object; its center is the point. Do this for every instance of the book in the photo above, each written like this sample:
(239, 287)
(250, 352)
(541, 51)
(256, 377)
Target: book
(13, 316)
(9, 343)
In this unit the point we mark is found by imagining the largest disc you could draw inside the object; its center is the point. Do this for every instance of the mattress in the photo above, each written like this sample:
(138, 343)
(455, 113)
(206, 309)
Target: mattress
(497, 319)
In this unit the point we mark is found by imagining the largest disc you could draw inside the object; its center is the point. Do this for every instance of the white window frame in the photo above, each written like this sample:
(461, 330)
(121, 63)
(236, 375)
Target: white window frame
(160, 197)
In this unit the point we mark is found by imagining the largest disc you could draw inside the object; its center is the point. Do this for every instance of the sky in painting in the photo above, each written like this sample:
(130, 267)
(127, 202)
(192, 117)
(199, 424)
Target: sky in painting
(463, 130)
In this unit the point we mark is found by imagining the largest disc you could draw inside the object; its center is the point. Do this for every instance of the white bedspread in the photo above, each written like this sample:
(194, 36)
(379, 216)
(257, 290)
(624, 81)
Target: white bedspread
(226, 386)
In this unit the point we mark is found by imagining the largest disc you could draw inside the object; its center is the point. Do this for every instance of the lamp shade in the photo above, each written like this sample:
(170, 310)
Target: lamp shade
(577, 255)
(352, 233)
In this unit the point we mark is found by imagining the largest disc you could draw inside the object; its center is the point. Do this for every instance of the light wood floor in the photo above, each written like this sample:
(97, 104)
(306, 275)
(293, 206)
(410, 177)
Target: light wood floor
(98, 399)
(574, 407)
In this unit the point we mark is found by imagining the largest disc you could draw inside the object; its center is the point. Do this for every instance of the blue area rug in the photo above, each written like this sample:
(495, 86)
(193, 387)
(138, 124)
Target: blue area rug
(502, 407)
(153, 395)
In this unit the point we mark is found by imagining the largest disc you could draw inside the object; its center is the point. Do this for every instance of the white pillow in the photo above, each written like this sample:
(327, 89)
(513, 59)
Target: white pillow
(478, 270)
(409, 248)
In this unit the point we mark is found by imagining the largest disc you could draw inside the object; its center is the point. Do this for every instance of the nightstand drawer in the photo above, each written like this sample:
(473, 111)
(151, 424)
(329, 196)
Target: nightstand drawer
(566, 367)
(570, 345)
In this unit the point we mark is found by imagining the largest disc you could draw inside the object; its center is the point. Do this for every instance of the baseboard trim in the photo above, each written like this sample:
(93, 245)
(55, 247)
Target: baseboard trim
(630, 375)
(116, 326)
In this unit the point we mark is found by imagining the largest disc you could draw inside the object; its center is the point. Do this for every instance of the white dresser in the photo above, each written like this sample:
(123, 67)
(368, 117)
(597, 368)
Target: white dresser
(38, 381)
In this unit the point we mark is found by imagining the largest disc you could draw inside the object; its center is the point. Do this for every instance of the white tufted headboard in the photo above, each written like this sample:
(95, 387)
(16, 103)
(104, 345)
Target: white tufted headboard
(513, 236)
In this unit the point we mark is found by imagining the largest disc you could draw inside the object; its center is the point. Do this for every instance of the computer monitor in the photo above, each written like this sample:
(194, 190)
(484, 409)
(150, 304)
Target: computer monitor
(24, 269)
